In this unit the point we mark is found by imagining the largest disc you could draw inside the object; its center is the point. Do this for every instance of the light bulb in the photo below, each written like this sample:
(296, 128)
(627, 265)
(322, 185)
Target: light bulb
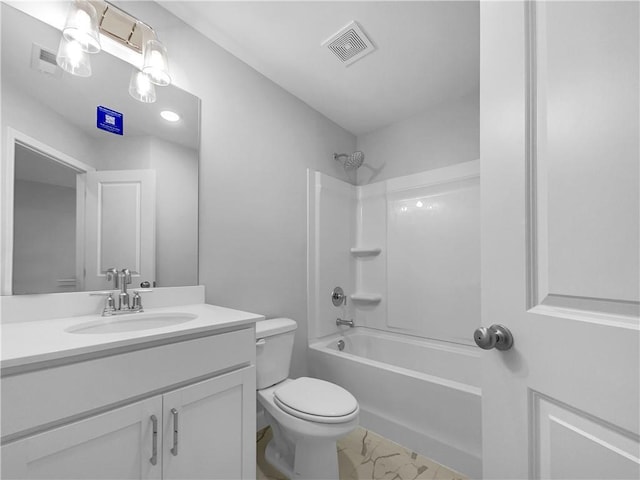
(73, 59)
(141, 88)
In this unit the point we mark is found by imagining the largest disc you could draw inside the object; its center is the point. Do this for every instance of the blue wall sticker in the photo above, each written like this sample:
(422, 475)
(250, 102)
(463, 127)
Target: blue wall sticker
(110, 120)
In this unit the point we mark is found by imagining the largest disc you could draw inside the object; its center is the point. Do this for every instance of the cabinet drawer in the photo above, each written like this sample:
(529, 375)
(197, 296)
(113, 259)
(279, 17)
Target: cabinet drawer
(44, 398)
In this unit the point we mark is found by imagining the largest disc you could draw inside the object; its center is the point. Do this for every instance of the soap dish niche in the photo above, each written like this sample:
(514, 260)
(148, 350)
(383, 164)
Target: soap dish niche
(365, 251)
(366, 298)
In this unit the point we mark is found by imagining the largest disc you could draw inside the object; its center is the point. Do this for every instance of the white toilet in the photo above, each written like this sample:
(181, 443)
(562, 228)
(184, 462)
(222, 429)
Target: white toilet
(306, 415)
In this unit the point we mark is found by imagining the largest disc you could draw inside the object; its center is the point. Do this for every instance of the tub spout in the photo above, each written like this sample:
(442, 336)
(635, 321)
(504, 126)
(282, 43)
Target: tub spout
(349, 323)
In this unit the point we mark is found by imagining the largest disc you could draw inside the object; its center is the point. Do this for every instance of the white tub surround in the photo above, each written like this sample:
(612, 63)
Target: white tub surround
(406, 251)
(76, 404)
(422, 394)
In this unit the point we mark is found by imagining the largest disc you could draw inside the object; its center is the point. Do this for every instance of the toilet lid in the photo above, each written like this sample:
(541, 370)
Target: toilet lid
(316, 398)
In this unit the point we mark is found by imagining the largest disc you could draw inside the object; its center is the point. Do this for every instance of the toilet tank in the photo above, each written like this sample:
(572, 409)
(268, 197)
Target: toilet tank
(274, 346)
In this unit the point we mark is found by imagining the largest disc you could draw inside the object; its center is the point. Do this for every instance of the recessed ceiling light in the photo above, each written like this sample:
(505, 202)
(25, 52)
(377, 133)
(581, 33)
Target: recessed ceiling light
(170, 116)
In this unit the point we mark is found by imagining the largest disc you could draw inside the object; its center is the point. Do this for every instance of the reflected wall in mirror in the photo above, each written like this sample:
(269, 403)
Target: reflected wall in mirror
(78, 200)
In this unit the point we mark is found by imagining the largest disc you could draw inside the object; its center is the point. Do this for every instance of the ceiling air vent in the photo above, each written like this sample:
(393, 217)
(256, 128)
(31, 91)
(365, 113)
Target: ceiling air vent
(349, 44)
(44, 61)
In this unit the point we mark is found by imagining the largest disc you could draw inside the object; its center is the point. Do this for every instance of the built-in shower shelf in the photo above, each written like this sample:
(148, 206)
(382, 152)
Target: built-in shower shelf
(365, 251)
(369, 298)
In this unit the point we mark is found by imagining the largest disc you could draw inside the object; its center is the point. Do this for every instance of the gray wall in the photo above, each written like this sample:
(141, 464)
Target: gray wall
(443, 135)
(257, 142)
(44, 232)
(23, 113)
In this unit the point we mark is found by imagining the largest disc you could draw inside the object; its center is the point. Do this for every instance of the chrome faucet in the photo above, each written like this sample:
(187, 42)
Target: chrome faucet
(124, 278)
(126, 303)
(348, 323)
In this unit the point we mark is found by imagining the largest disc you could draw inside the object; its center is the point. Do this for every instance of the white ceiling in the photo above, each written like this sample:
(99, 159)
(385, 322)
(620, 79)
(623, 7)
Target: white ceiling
(427, 52)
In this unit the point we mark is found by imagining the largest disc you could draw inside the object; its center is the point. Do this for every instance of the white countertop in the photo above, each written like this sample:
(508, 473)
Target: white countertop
(27, 343)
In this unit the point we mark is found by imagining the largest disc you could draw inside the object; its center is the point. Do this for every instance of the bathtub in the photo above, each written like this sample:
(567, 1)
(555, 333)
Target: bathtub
(420, 393)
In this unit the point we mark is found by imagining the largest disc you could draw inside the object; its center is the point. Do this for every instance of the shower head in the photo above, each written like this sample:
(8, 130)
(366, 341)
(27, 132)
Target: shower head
(351, 160)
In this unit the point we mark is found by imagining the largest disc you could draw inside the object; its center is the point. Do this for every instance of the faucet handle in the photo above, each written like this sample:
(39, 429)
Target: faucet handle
(112, 274)
(109, 303)
(136, 300)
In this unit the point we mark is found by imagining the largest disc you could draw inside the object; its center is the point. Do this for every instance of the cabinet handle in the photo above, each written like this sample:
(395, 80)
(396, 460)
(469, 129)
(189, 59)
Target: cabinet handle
(154, 440)
(174, 450)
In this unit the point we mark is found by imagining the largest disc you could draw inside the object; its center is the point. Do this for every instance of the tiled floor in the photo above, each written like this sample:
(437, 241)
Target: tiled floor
(365, 455)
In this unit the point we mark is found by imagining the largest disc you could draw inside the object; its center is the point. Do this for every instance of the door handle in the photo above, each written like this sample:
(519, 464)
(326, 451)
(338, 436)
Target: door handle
(496, 336)
(174, 449)
(154, 440)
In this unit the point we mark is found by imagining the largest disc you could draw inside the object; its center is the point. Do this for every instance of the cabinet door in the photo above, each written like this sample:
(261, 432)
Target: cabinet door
(209, 428)
(115, 444)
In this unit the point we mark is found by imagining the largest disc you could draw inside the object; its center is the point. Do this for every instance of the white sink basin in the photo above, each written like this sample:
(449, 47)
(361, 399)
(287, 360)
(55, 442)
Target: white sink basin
(131, 322)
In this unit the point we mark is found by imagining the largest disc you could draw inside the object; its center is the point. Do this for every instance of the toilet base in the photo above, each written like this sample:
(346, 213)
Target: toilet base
(280, 452)
(308, 458)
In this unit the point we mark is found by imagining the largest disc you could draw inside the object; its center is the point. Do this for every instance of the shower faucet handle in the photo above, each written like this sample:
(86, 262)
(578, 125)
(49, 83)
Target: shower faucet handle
(338, 297)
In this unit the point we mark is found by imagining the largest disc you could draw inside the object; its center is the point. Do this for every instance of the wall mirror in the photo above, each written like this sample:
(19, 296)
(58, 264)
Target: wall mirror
(78, 200)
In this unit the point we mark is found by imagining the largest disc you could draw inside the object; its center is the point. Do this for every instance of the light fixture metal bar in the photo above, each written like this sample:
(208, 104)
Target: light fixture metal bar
(122, 27)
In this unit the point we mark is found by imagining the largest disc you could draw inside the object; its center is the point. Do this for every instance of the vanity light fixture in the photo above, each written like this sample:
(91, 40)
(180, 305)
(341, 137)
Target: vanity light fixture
(82, 26)
(170, 116)
(156, 64)
(87, 19)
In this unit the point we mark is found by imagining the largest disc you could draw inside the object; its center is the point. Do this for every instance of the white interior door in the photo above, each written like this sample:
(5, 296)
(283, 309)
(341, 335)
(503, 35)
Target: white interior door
(560, 238)
(120, 225)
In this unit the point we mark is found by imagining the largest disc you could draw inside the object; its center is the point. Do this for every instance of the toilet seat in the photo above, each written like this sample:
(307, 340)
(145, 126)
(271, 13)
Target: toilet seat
(316, 401)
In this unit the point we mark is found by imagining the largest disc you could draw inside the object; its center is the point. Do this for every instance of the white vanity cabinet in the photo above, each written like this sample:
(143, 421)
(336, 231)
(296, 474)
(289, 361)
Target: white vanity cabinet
(113, 445)
(210, 440)
(199, 394)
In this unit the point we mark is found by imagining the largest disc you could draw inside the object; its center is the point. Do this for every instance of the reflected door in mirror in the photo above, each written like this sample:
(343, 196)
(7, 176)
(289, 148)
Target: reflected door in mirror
(120, 226)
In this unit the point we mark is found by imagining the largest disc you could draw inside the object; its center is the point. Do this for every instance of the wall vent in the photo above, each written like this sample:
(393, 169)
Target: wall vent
(44, 61)
(349, 44)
